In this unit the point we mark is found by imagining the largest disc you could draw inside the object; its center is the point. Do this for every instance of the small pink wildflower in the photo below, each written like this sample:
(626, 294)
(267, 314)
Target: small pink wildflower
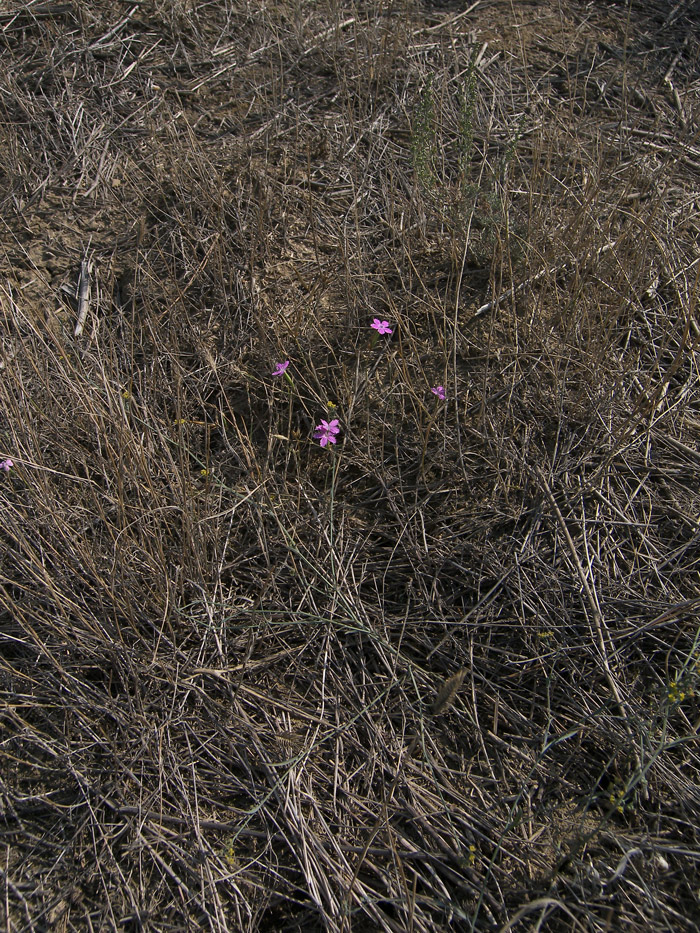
(281, 368)
(6, 465)
(326, 431)
(381, 327)
(439, 391)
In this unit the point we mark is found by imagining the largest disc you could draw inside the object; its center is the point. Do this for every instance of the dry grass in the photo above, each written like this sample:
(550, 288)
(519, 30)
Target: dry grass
(442, 675)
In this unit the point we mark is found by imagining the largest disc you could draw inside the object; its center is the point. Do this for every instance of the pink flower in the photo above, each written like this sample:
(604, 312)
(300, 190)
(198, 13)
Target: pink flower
(6, 465)
(281, 368)
(381, 326)
(439, 391)
(326, 431)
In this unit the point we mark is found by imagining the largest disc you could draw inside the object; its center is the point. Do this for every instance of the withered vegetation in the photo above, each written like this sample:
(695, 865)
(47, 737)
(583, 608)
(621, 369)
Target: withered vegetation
(441, 675)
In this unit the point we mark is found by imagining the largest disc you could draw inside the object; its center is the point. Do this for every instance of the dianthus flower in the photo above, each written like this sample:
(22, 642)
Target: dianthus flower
(281, 368)
(6, 465)
(381, 327)
(326, 431)
(439, 391)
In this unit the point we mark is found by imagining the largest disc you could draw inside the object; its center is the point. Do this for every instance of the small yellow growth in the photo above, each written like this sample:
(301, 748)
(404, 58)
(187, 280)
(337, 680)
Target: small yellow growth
(472, 855)
(126, 395)
(616, 802)
(331, 405)
(682, 687)
(617, 799)
(230, 855)
(675, 695)
(204, 473)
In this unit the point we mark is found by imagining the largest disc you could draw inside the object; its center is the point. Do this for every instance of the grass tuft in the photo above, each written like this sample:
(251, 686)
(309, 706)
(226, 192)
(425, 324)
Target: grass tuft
(441, 673)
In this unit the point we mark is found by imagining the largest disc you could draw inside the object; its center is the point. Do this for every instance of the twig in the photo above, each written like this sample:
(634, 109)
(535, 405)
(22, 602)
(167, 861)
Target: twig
(114, 30)
(676, 59)
(553, 271)
(83, 295)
